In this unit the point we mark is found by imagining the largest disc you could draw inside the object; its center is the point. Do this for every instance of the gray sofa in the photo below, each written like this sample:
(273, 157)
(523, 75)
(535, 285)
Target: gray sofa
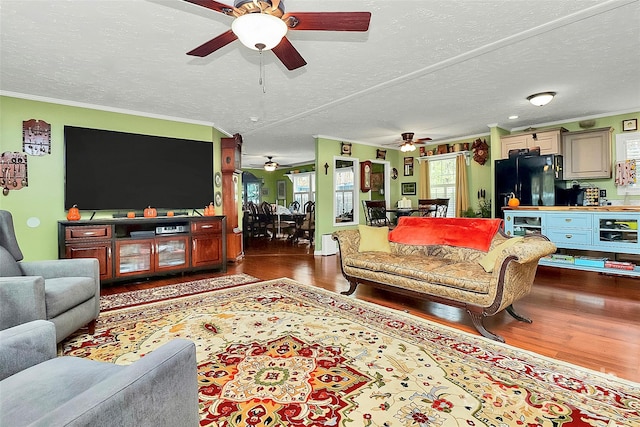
(40, 389)
(65, 291)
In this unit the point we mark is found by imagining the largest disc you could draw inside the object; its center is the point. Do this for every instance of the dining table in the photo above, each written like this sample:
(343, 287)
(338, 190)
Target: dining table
(400, 212)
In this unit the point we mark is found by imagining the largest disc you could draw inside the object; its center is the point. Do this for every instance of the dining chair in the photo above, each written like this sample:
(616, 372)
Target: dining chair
(256, 223)
(376, 213)
(308, 227)
(433, 207)
(274, 225)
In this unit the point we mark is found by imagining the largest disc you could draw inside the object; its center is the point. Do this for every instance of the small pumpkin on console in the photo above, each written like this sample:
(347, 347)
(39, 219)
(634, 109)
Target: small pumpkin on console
(74, 213)
(513, 202)
(150, 212)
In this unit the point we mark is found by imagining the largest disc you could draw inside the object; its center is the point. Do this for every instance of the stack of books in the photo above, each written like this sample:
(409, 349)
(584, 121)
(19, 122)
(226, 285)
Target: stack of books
(590, 261)
(564, 259)
(620, 265)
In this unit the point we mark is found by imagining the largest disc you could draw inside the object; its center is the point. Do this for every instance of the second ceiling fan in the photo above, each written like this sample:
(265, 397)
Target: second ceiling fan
(408, 143)
(262, 17)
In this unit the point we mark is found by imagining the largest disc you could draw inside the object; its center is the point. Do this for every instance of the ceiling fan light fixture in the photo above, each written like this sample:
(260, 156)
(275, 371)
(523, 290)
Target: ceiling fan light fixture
(259, 31)
(270, 165)
(407, 146)
(541, 99)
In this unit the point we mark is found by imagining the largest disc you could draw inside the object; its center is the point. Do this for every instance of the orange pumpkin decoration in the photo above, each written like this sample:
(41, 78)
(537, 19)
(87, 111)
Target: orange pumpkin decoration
(170, 213)
(74, 213)
(209, 210)
(513, 202)
(131, 214)
(150, 212)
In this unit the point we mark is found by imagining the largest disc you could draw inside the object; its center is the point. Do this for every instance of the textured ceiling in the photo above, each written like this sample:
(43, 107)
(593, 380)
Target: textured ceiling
(439, 68)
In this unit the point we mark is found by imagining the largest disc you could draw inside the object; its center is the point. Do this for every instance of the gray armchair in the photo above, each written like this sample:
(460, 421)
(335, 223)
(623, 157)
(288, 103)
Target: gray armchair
(39, 389)
(65, 291)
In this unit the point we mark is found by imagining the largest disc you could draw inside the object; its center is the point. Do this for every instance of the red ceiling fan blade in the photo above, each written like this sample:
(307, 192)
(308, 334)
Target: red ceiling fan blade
(213, 44)
(328, 21)
(213, 5)
(288, 54)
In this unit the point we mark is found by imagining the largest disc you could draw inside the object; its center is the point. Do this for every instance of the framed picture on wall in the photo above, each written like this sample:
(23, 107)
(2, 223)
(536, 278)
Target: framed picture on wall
(282, 189)
(408, 166)
(629, 125)
(408, 188)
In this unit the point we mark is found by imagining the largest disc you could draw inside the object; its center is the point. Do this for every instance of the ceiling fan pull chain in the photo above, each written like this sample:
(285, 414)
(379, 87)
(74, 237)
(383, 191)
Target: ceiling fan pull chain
(262, 74)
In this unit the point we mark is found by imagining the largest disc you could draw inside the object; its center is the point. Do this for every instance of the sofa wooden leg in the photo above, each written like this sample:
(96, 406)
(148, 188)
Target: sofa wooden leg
(352, 288)
(477, 319)
(92, 327)
(520, 317)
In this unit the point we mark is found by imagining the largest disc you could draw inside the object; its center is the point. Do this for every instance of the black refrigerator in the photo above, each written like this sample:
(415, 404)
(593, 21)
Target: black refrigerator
(534, 179)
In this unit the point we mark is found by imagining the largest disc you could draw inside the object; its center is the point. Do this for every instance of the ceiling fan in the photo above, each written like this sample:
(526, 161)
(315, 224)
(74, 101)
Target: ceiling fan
(408, 143)
(270, 165)
(256, 19)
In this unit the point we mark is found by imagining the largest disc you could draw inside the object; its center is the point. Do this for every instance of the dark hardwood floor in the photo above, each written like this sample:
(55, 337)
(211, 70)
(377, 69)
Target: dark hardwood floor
(587, 319)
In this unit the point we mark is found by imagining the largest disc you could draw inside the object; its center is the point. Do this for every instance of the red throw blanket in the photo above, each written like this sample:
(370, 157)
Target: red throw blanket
(475, 233)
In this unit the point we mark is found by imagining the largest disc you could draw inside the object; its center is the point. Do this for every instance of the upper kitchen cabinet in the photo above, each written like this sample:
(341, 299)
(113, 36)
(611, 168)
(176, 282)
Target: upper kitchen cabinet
(549, 141)
(587, 154)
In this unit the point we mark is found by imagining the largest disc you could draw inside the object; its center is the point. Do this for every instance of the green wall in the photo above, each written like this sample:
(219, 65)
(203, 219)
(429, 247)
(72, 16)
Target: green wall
(43, 198)
(270, 179)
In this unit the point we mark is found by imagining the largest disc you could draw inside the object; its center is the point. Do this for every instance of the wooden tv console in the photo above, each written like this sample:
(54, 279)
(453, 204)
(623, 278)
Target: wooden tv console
(130, 248)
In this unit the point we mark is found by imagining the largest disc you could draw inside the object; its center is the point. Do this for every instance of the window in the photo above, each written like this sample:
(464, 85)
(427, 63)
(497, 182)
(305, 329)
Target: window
(253, 192)
(442, 180)
(344, 190)
(304, 187)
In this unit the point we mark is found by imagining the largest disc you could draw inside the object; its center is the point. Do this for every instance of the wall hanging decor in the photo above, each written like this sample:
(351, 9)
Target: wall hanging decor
(345, 148)
(408, 166)
(381, 154)
(408, 188)
(630, 125)
(14, 171)
(36, 137)
(480, 151)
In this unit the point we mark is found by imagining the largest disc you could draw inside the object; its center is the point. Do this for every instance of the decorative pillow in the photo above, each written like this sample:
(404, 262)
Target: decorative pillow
(8, 265)
(474, 233)
(488, 261)
(374, 239)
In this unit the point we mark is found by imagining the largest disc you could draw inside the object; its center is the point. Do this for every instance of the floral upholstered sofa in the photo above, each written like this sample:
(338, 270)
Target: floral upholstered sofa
(463, 262)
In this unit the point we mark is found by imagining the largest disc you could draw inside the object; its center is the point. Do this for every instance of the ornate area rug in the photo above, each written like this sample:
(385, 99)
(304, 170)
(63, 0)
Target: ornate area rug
(128, 299)
(280, 353)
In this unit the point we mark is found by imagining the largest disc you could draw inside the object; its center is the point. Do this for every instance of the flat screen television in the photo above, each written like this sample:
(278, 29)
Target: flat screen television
(108, 170)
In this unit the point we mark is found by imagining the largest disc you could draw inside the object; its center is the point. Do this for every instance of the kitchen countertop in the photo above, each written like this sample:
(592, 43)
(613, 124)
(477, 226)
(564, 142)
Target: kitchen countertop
(576, 208)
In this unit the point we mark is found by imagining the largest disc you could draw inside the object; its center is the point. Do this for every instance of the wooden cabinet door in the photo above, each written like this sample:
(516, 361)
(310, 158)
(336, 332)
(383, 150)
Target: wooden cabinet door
(99, 250)
(549, 142)
(206, 249)
(512, 143)
(587, 154)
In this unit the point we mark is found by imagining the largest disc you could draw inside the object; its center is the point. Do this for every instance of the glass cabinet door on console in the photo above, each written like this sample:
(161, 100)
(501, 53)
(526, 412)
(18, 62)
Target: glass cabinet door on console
(617, 232)
(134, 257)
(171, 253)
(521, 224)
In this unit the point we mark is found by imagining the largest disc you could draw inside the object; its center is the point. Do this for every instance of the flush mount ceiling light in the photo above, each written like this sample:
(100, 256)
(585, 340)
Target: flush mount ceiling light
(270, 165)
(540, 99)
(259, 31)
